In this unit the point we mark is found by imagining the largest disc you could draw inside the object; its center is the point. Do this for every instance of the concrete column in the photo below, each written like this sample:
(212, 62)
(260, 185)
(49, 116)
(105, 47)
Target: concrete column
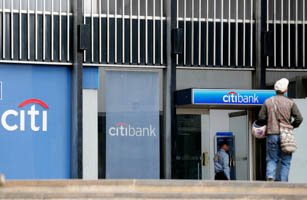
(90, 134)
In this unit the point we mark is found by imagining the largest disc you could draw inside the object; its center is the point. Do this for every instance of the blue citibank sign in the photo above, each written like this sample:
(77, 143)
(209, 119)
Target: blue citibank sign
(35, 121)
(223, 96)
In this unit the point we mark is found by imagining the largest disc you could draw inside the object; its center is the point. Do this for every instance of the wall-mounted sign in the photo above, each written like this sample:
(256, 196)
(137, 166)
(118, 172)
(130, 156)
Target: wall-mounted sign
(35, 122)
(132, 125)
(223, 96)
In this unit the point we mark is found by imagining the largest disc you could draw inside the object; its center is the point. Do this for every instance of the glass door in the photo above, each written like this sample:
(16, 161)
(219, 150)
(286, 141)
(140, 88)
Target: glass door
(187, 162)
(191, 153)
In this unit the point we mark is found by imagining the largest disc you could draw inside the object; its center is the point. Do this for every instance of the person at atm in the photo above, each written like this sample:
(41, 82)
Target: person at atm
(221, 162)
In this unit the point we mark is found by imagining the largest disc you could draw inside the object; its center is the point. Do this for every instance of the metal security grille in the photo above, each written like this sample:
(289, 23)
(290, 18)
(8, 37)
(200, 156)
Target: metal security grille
(287, 21)
(35, 30)
(218, 33)
(126, 32)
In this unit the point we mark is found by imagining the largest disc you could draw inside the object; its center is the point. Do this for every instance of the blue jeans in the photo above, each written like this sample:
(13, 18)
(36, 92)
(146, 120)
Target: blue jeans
(274, 155)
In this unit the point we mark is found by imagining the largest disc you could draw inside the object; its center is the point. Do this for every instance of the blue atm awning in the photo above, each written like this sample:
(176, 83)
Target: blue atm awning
(224, 97)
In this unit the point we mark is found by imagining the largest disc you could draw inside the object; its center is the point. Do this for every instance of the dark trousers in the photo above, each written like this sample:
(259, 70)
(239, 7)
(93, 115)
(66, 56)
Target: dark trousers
(220, 176)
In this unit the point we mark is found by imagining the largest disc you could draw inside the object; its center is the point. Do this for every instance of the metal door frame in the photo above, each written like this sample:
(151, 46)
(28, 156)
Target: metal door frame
(250, 158)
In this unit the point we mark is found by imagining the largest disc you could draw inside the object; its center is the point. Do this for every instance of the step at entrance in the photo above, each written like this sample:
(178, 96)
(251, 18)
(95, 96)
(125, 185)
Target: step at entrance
(150, 189)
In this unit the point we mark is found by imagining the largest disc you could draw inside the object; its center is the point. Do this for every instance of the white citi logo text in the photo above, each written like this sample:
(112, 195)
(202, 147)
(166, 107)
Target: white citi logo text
(20, 117)
(233, 97)
(123, 129)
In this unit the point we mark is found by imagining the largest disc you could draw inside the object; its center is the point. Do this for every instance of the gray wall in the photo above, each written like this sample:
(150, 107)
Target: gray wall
(272, 77)
(299, 160)
(214, 79)
(90, 134)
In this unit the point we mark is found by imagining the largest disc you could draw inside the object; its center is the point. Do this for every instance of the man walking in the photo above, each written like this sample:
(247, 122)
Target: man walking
(275, 110)
(221, 162)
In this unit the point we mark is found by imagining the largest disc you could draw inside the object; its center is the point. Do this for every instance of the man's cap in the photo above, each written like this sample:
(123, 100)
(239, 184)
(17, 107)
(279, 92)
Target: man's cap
(281, 85)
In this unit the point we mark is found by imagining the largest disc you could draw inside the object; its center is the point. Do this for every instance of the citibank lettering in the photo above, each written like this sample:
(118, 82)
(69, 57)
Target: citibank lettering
(22, 115)
(123, 129)
(233, 97)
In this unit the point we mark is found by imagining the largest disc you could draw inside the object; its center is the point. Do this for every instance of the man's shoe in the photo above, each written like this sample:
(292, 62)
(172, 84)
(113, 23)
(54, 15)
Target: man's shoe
(270, 179)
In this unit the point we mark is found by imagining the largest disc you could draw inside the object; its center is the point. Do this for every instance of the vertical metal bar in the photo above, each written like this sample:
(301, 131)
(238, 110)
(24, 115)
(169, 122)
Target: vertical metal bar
(12, 31)
(60, 30)
(268, 28)
(108, 31)
(198, 171)
(3, 28)
(289, 33)
(229, 32)
(199, 31)
(296, 33)
(100, 38)
(274, 23)
(68, 30)
(92, 31)
(115, 18)
(192, 33)
(44, 30)
(123, 32)
(304, 24)
(52, 30)
(84, 22)
(244, 31)
(76, 95)
(170, 87)
(251, 34)
(222, 32)
(162, 31)
(154, 33)
(131, 32)
(20, 33)
(207, 35)
(214, 32)
(146, 32)
(28, 28)
(36, 33)
(185, 32)
(177, 24)
(282, 33)
(260, 63)
(237, 33)
(139, 33)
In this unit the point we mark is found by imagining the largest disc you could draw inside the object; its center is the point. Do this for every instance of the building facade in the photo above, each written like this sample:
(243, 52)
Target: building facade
(108, 88)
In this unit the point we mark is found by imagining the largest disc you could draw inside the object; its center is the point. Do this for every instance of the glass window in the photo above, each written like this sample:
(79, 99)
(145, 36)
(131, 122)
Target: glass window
(126, 4)
(40, 4)
(129, 117)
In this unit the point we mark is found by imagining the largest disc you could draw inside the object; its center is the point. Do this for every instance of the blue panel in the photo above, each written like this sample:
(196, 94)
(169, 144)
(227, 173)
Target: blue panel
(35, 122)
(0, 90)
(223, 133)
(90, 77)
(231, 97)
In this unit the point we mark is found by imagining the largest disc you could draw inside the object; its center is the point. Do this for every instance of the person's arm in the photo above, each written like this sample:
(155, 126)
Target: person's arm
(226, 165)
(296, 114)
(262, 116)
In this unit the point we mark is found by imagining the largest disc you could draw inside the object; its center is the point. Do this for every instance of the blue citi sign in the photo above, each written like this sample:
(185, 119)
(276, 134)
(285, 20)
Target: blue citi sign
(231, 97)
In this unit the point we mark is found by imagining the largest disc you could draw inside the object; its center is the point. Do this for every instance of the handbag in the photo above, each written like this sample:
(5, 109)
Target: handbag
(258, 131)
(287, 137)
